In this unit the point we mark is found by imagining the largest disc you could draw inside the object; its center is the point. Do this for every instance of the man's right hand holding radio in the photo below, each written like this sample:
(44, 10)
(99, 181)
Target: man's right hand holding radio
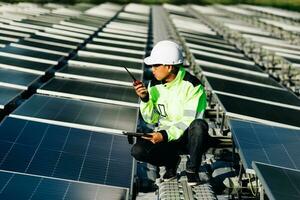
(141, 90)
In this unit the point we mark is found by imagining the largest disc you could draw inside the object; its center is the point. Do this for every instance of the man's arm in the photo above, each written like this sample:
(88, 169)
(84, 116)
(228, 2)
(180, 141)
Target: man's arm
(147, 107)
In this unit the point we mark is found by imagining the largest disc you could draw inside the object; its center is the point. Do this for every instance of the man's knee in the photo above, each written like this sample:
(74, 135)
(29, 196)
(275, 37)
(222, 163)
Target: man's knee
(138, 152)
(200, 125)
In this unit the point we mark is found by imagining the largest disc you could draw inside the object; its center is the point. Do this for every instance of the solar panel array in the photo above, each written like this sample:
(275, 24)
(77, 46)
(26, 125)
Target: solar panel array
(65, 140)
(68, 61)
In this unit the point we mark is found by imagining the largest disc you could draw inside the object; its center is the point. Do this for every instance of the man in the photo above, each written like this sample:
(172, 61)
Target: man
(175, 101)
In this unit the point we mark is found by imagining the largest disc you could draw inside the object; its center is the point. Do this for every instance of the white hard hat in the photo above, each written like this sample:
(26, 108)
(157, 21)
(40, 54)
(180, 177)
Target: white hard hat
(165, 52)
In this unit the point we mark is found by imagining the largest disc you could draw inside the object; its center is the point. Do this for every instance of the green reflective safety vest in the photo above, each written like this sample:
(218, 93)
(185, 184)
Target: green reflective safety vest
(174, 105)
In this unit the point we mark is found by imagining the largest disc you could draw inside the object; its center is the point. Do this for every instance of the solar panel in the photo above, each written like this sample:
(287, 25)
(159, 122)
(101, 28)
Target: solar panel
(30, 53)
(211, 44)
(224, 61)
(258, 111)
(67, 153)
(106, 61)
(100, 92)
(79, 114)
(117, 53)
(268, 144)
(104, 42)
(121, 39)
(29, 187)
(56, 40)
(8, 95)
(247, 90)
(24, 65)
(262, 79)
(16, 79)
(45, 46)
(98, 74)
(278, 182)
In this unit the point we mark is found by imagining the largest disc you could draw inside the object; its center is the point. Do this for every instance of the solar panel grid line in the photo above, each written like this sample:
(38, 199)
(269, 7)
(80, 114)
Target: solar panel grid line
(7, 153)
(257, 100)
(255, 70)
(35, 152)
(240, 80)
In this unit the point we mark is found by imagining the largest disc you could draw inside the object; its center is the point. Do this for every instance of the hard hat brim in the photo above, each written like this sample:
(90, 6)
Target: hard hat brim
(150, 61)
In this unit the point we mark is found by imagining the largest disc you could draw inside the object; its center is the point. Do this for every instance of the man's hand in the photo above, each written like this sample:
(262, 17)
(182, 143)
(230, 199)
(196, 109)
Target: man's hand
(155, 137)
(141, 90)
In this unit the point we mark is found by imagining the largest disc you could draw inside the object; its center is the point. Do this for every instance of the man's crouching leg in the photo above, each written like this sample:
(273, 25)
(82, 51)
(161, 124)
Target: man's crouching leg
(197, 145)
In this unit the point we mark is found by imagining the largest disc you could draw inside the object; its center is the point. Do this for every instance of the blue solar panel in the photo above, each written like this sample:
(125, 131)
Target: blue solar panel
(68, 153)
(86, 89)
(267, 144)
(76, 113)
(15, 186)
(279, 183)
(8, 95)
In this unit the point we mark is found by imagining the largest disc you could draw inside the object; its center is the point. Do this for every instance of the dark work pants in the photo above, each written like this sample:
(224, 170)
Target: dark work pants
(194, 142)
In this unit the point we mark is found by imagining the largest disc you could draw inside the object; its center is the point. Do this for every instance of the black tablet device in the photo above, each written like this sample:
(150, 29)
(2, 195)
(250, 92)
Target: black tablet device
(135, 134)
